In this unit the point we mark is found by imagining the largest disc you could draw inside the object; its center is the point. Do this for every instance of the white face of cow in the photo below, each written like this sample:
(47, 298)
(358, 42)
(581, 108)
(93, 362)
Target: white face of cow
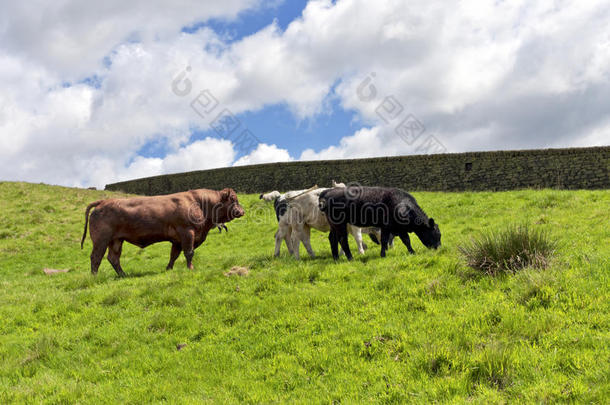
(322, 204)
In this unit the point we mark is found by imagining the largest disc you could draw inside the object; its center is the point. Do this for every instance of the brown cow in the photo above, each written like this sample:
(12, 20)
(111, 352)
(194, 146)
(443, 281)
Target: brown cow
(183, 219)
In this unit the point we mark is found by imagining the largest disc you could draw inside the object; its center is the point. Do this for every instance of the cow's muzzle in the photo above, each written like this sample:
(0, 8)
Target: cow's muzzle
(237, 211)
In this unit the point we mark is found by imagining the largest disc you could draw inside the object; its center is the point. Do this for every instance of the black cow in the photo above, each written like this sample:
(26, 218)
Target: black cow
(393, 210)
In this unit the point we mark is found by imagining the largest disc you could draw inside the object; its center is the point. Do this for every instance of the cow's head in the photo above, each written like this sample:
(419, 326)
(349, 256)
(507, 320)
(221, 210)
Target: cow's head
(229, 206)
(429, 234)
(322, 204)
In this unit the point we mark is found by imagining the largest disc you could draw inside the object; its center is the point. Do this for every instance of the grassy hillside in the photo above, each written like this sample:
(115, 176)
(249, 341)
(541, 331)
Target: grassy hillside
(405, 328)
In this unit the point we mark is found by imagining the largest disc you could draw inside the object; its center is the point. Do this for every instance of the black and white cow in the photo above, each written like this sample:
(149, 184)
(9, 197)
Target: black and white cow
(392, 210)
(297, 212)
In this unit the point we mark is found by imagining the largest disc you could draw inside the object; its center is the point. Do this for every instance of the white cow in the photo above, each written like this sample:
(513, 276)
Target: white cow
(297, 212)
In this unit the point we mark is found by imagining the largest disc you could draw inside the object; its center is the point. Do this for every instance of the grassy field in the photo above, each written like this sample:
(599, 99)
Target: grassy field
(401, 329)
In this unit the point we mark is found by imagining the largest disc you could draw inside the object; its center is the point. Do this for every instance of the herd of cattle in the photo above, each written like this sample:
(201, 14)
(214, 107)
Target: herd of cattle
(184, 219)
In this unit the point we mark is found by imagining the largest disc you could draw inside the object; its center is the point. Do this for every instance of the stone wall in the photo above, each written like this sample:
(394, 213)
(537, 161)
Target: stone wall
(574, 168)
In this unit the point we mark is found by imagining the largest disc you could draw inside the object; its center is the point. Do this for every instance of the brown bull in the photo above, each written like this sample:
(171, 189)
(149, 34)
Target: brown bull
(183, 219)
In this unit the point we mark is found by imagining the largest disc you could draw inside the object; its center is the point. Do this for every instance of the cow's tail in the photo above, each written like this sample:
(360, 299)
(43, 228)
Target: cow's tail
(92, 205)
(270, 196)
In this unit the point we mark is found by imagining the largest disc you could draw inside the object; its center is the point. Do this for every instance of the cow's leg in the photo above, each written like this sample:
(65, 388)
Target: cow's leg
(288, 239)
(187, 241)
(404, 236)
(357, 234)
(385, 236)
(342, 236)
(100, 237)
(114, 256)
(334, 244)
(295, 239)
(375, 235)
(97, 254)
(304, 236)
(278, 243)
(173, 255)
(283, 233)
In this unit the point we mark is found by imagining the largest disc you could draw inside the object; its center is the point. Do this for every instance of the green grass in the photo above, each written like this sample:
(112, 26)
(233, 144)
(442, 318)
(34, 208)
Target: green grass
(509, 249)
(405, 328)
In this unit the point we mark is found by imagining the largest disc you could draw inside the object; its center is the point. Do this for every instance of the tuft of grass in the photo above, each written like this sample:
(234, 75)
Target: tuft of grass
(493, 367)
(509, 250)
(41, 350)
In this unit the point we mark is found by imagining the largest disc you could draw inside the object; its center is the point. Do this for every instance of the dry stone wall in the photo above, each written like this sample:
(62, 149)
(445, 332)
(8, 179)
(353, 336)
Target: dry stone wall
(573, 168)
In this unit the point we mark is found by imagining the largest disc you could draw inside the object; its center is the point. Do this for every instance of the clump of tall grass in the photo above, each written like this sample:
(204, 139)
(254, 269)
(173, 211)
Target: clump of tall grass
(509, 250)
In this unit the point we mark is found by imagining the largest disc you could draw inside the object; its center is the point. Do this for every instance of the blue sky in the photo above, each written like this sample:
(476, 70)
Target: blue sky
(95, 103)
(279, 126)
(251, 21)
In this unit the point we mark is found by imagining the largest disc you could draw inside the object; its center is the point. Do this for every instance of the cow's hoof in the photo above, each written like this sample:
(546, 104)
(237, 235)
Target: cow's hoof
(191, 267)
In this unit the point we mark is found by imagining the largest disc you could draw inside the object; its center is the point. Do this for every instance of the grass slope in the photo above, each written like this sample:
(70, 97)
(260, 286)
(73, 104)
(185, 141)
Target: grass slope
(406, 328)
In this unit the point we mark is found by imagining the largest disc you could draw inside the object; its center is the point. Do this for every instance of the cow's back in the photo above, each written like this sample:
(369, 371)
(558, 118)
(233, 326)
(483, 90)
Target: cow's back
(309, 208)
(143, 220)
(369, 206)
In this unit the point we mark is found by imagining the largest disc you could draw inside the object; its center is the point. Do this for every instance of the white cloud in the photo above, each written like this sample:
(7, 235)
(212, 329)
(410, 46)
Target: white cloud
(264, 154)
(57, 130)
(366, 142)
(71, 37)
(479, 75)
(377, 141)
(208, 153)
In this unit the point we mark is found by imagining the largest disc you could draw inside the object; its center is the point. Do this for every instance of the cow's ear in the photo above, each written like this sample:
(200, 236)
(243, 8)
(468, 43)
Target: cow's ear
(225, 193)
(431, 222)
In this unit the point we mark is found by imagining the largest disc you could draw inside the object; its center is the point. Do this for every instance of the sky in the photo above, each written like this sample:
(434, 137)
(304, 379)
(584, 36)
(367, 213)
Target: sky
(98, 92)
